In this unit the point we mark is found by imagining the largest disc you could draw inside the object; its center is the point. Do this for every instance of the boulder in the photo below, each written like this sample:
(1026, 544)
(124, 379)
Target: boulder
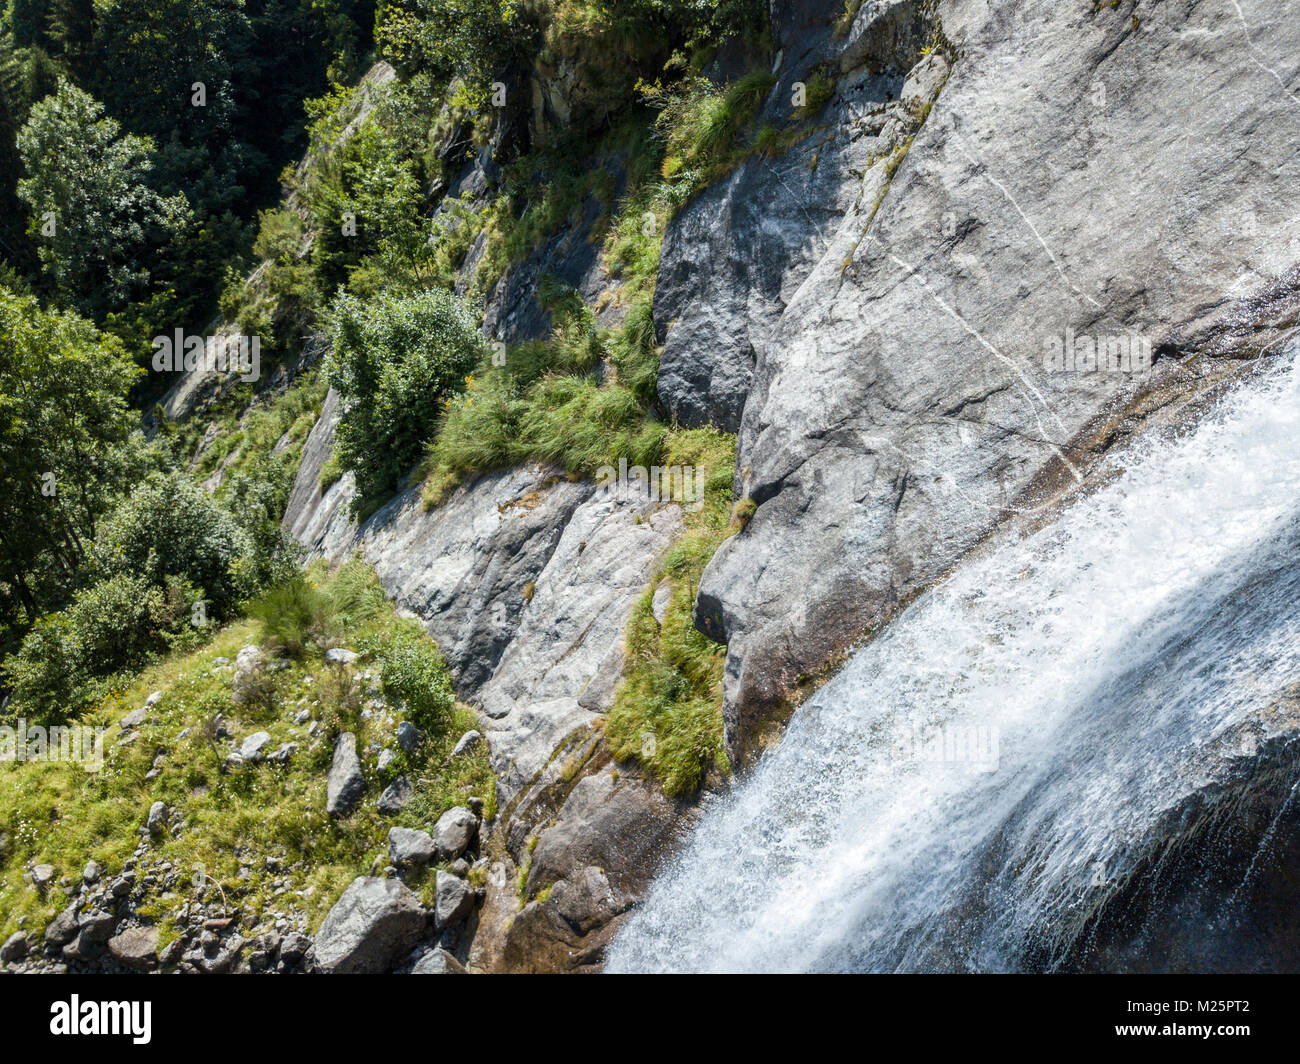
(438, 962)
(14, 948)
(396, 796)
(63, 928)
(134, 719)
(453, 900)
(373, 925)
(346, 783)
(454, 832)
(253, 745)
(467, 743)
(410, 847)
(136, 947)
(408, 736)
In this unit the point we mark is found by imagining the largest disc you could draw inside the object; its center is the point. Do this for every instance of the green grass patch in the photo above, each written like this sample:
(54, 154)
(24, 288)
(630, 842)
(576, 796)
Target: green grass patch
(667, 711)
(61, 814)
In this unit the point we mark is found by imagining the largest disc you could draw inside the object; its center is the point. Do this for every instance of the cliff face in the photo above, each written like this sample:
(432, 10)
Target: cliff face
(1114, 170)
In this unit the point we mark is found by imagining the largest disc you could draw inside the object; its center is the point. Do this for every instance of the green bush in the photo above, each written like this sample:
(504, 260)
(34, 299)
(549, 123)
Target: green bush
(293, 616)
(113, 624)
(395, 361)
(414, 671)
(170, 527)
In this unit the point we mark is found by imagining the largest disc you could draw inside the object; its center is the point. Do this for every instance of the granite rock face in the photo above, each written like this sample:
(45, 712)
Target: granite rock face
(1080, 173)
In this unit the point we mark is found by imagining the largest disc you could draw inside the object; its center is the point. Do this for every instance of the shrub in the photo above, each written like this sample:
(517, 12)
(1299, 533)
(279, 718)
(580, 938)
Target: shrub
(413, 670)
(395, 361)
(293, 615)
(111, 625)
(170, 527)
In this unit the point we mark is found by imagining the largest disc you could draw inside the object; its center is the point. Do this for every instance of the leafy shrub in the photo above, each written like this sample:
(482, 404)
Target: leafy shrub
(110, 625)
(414, 671)
(170, 527)
(395, 361)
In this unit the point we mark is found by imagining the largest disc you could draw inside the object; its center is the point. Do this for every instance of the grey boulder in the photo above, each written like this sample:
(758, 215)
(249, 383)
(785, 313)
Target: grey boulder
(454, 832)
(408, 847)
(374, 923)
(453, 900)
(438, 962)
(346, 784)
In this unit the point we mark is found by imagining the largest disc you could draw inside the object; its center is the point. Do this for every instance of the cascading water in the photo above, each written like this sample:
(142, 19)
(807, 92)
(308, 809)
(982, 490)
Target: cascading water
(995, 766)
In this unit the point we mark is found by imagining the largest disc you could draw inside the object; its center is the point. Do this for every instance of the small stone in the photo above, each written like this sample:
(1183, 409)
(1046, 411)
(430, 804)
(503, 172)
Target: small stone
(284, 753)
(157, 816)
(408, 846)
(453, 900)
(340, 656)
(346, 784)
(386, 758)
(408, 736)
(253, 745)
(396, 796)
(467, 743)
(152, 700)
(133, 719)
(302, 716)
(460, 867)
(659, 602)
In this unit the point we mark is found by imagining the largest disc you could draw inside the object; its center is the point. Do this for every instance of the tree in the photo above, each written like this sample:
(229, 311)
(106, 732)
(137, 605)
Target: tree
(65, 432)
(94, 217)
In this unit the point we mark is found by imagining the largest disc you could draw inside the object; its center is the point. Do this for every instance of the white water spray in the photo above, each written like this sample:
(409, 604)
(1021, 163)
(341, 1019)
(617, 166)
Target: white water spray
(972, 780)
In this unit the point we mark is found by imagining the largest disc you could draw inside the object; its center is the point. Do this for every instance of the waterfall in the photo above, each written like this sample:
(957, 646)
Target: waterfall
(975, 783)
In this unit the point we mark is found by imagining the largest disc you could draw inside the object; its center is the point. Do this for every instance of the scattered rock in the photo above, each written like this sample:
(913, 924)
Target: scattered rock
(386, 758)
(346, 783)
(659, 603)
(409, 847)
(408, 736)
(42, 876)
(467, 743)
(152, 700)
(284, 753)
(63, 928)
(438, 962)
(136, 947)
(14, 948)
(98, 926)
(251, 748)
(453, 900)
(454, 832)
(396, 796)
(294, 948)
(157, 817)
(340, 656)
(375, 922)
(134, 719)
